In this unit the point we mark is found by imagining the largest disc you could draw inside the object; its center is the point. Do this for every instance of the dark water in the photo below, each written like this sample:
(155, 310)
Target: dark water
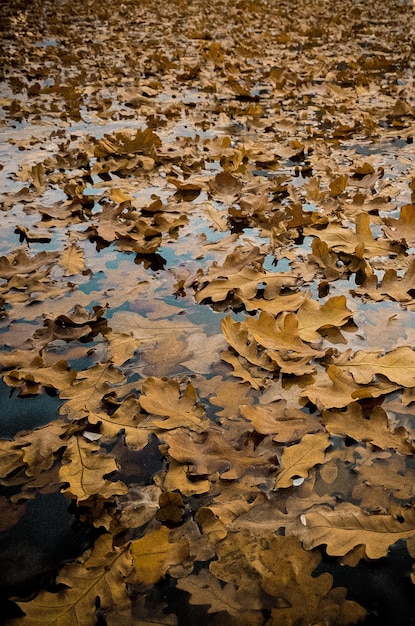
(32, 550)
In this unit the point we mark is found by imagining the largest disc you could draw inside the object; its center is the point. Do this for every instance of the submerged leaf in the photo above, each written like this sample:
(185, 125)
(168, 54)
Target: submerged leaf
(346, 526)
(102, 576)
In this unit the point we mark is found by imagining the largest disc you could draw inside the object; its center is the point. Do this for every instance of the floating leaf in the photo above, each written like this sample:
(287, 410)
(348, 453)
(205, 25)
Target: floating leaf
(346, 526)
(163, 398)
(84, 471)
(102, 576)
(398, 365)
(298, 459)
(154, 554)
(376, 429)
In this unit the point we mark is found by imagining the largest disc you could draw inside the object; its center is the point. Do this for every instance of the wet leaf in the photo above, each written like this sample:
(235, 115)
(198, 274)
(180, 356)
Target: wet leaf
(154, 554)
(376, 429)
(164, 398)
(206, 589)
(102, 576)
(84, 470)
(398, 365)
(346, 526)
(298, 459)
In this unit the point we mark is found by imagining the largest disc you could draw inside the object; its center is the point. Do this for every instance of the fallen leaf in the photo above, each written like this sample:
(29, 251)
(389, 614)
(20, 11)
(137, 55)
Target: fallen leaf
(154, 554)
(164, 398)
(83, 583)
(346, 526)
(298, 459)
(84, 470)
(376, 429)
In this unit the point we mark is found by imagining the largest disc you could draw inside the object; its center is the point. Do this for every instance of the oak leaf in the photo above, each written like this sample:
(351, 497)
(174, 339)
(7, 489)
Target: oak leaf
(37, 374)
(206, 589)
(388, 475)
(398, 365)
(398, 288)
(313, 317)
(403, 228)
(41, 446)
(102, 576)
(86, 392)
(154, 554)
(281, 334)
(127, 418)
(286, 424)
(376, 429)
(19, 262)
(11, 458)
(230, 396)
(164, 398)
(248, 374)
(84, 470)
(178, 477)
(298, 459)
(341, 389)
(72, 259)
(326, 259)
(346, 526)
(342, 239)
(226, 186)
(240, 258)
(246, 284)
(209, 452)
(122, 347)
(279, 304)
(123, 143)
(238, 336)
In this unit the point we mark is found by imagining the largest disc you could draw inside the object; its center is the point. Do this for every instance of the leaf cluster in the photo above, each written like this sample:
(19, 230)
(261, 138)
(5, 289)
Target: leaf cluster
(212, 265)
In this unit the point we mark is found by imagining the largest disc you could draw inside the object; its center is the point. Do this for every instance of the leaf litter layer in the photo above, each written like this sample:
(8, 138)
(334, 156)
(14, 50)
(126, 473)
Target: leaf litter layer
(207, 260)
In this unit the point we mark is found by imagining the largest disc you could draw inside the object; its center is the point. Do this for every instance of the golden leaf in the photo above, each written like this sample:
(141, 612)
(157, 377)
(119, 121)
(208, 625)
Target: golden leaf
(84, 469)
(122, 143)
(122, 347)
(205, 588)
(11, 457)
(163, 398)
(281, 334)
(403, 228)
(237, 335)
(339, 238)
(87, 390)
(72, 260)
(57, 376)
(230, 396)
(274, 418)
(298, 459)
(398, 365)
(102, 576)
(239, 371)
(245, 284)
(128, 418)
(41, 445)
(376, 429)
(313, 317)
(346, 526)
(153, 555)
(209, 452)
(342, 389)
